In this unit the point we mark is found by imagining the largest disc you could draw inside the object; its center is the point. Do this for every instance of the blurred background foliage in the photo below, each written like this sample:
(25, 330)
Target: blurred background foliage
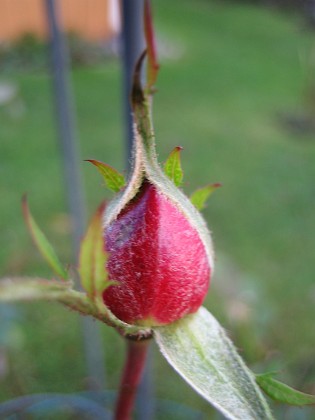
(236, 91)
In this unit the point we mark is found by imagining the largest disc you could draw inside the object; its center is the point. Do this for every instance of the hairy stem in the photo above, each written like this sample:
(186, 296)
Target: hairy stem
(134, 366)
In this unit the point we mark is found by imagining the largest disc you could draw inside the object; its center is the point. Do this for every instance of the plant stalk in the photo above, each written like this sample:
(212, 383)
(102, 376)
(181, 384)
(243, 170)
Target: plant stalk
(134, 366)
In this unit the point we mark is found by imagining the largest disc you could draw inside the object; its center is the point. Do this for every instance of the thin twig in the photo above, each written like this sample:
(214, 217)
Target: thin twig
(134, 367)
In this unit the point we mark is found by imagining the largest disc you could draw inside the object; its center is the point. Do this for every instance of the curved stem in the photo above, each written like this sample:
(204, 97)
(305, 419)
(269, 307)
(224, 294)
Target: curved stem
(134, 366)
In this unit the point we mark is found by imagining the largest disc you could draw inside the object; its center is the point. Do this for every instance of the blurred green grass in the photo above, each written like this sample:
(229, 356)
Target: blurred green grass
(228, 72)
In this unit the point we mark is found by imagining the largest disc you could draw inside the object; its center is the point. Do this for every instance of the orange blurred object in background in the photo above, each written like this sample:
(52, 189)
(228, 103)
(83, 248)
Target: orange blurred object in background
(94, 20)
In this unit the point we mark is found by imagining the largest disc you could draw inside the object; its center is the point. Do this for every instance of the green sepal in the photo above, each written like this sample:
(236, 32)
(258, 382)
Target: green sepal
(200, 196)
(198, 348)
(42, 243)
(173, 168)
(92, 257)
(114, 180)
(281, 392)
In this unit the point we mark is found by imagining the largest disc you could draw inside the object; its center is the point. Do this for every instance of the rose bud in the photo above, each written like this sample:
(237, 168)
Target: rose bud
(158, 260)
(160, 255)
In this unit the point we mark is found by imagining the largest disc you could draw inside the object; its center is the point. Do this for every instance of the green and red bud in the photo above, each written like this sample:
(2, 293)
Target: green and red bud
(159, 250)
(158, 260)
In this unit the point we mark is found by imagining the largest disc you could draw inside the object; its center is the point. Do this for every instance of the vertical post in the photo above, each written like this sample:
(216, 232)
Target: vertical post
(133, 44)
(68, 139)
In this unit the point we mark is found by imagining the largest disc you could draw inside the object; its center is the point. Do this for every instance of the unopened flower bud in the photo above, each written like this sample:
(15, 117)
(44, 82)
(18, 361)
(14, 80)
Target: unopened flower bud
(158, 260)
(160, 255)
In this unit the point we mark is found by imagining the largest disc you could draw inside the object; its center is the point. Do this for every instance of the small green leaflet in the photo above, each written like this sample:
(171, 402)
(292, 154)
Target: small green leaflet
(281, 392)
(92, 258)
(172, 166)
(114, 180)
(200, 196)
(198, 348)
(42, 243)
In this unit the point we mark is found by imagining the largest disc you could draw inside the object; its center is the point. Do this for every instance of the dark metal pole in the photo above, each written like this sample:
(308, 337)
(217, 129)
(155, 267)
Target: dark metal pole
(133, 44)
(68, 141)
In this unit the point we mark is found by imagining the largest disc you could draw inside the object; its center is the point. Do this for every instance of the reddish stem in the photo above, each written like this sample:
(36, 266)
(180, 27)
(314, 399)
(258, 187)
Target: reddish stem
(134, 366)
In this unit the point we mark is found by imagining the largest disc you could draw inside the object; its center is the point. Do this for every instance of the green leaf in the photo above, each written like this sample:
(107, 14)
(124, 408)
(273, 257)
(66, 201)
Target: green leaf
(172, 166)
(92, 258)
(42, 244)
(114, 180)
(198, 348)
(281, 392)
(200, 196)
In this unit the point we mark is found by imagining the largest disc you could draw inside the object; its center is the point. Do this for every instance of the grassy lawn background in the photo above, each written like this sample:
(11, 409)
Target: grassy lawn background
(228, 72)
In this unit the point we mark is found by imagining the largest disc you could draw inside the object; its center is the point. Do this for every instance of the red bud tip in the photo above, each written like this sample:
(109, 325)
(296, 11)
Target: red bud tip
(153, 66)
